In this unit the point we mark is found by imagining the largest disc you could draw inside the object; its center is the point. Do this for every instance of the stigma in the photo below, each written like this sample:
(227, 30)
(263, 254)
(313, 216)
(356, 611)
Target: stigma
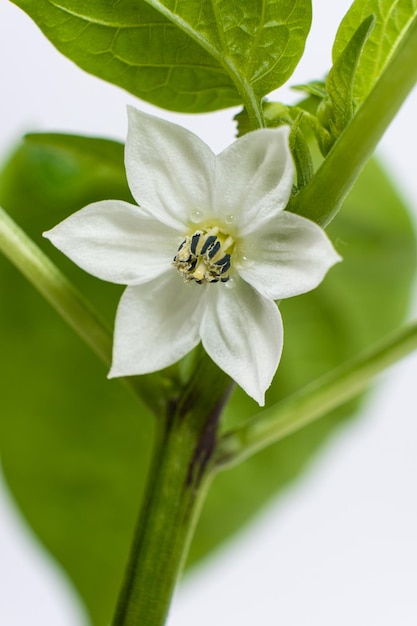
(205, 256)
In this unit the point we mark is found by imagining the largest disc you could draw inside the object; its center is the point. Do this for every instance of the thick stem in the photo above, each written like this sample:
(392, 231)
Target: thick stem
(321, 199)
(166, 524)
(315, 400)
(180, 475)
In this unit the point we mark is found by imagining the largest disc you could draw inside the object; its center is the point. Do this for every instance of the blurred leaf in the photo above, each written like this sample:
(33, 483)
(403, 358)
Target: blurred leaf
(186, 56)
(76, 447)
(393, 19)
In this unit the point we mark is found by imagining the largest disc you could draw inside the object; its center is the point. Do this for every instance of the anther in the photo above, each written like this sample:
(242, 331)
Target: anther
(205, 257)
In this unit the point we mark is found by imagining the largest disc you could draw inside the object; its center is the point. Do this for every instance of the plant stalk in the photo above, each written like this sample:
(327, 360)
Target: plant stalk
(315, 400)
(179, 477)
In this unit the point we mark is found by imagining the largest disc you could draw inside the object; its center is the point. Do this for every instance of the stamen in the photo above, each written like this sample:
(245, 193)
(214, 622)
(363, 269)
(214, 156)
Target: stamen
(205, 257)
(194, 241)
(214, 250)
(208, 242)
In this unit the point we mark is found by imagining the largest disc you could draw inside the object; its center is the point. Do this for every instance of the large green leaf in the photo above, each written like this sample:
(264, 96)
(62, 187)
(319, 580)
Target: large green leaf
(393, 19)
(190, 56)
(76, 447)
(131, 45)
(258, 43)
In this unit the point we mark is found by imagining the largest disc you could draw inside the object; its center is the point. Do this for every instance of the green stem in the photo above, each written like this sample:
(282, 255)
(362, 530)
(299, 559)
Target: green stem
(66, 300)
(253, 106)
(321, 199)
(179, 478)
(315, 400)
(54, 286)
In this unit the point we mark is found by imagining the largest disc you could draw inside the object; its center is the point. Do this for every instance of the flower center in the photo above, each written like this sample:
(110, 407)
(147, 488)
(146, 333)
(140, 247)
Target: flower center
(205, 256)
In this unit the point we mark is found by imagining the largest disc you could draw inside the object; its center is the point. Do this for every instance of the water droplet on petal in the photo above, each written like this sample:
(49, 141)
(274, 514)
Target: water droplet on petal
(196, 216)
(229, 219)
(246, 262)
(230, 283)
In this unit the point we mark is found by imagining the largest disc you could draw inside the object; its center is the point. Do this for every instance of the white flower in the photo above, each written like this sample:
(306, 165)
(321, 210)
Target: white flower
(204, 255)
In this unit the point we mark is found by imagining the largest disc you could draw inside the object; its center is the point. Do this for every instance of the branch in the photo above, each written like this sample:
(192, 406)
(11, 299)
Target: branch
(315, 400)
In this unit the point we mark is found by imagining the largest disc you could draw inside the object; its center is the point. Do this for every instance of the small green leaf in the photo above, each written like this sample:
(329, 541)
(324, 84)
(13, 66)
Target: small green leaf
(340, 80)
(301, 154)
(185, 56)
(314, 88)
(393, 19)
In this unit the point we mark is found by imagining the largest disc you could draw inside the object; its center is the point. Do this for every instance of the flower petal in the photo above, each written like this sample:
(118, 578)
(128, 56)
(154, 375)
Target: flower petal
(242, 332)
(169, 169)
(156, 325)
(286, 257)
(116, 241)
(254, 178)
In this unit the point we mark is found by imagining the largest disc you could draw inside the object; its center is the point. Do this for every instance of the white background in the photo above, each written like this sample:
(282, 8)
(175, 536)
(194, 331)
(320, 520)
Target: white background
(340, 548)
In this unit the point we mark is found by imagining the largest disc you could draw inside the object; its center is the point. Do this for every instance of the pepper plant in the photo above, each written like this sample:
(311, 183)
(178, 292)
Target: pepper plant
(246, 332)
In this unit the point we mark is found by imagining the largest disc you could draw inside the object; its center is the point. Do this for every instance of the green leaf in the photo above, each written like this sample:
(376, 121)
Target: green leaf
(301, 153)
(393, 19)
(135, 47)
(186, 56)
(75, 446)
(314, 88)
(258, 43)
(340, 80)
